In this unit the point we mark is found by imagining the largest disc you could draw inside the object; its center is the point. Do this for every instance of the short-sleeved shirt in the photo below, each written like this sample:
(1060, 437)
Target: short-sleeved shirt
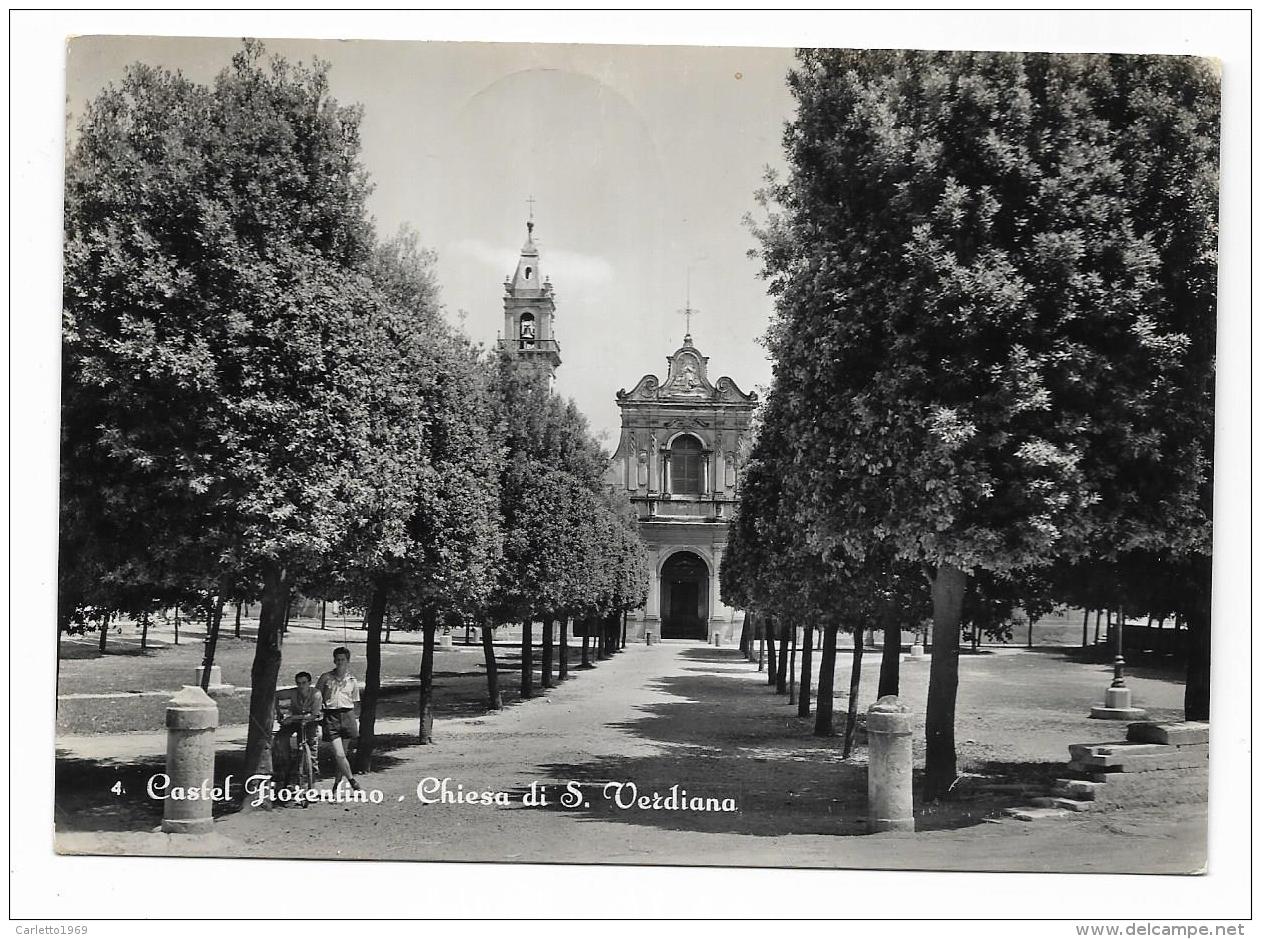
(339, 693)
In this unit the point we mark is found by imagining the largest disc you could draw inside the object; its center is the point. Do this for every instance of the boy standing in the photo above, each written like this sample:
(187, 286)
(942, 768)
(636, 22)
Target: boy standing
(340, 693)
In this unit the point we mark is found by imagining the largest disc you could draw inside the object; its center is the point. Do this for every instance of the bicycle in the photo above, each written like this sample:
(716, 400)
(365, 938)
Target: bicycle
(300, 752)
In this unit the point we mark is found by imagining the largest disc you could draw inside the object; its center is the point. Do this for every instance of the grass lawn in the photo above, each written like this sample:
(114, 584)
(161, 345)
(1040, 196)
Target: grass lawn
(141, 681)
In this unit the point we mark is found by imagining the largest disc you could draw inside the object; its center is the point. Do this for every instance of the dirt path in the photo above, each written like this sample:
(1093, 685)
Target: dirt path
(669, 714)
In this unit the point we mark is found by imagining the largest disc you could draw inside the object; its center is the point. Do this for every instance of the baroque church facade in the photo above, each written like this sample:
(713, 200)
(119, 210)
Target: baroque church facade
(678, 460)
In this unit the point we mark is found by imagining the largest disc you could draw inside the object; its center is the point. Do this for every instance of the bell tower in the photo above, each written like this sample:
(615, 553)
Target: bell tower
(529, 334)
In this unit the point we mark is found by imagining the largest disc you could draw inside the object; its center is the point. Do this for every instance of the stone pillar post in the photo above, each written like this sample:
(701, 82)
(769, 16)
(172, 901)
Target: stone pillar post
(191, 719)
(889, 803)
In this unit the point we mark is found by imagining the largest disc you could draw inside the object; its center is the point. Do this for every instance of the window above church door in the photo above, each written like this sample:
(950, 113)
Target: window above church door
(686, 469)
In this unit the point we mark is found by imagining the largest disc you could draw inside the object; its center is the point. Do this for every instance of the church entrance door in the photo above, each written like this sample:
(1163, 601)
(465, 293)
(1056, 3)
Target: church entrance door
(684, 597)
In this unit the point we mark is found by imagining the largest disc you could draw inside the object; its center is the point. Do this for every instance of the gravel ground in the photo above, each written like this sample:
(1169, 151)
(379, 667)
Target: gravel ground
(704, 720)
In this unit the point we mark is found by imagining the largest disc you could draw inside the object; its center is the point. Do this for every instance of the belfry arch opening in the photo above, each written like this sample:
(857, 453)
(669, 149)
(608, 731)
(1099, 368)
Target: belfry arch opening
(684, 596)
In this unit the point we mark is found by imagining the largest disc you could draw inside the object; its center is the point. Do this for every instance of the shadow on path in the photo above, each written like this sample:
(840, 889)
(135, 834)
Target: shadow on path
(722, 739)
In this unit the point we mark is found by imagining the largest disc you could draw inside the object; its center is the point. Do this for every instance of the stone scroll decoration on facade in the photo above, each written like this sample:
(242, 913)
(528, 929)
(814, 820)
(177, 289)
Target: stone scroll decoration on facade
(679, 460)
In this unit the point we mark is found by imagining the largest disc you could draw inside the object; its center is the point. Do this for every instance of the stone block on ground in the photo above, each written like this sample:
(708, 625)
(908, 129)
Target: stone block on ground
(1175, 733)
(1059, 802)
(1116, 759)
(1077, 789)
(1032, 813)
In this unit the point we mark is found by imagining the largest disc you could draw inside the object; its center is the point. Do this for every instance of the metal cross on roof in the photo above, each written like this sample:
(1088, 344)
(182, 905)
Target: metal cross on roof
(687, 313)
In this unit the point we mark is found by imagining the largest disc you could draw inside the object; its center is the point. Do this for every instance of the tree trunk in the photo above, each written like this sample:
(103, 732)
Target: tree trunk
(1030, 642)
(781, 673)
(855, 678)
(371, 681)
(494, 698)
(563, 669)
(625, 616)
(792, 666)
(546, 680)
(1085, 629)
(948, 588)
(389, 625)
(744, 637)
(807, 646)
(265, 668)
(105, 631)
(527, 658)
(890, 660)
(586, 644)
(429, 629)
(761, 653)
(212, 639)
(827, 674)
(772, 663)
(599, 639)
(177, 629)
(236, 627)
(288, 609)
(324, 618)
(144, 630)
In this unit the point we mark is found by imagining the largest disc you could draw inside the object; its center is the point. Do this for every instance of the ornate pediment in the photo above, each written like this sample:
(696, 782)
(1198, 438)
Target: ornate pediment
(646, 389)
(687, 380)
(729, 391)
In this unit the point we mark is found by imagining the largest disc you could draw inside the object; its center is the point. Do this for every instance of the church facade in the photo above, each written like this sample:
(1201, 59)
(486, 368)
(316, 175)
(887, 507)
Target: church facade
(679, 461)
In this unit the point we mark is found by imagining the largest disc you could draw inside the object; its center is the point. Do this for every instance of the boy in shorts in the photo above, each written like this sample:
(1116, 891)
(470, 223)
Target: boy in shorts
(339, 691)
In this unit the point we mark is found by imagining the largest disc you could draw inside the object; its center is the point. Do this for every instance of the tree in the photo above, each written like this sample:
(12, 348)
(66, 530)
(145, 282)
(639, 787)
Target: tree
(964, 335)
(564, 553)
(427, 544)
(215, 301)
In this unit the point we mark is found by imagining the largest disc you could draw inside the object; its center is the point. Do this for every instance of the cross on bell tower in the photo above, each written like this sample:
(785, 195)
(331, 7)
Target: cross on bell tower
(530, 310)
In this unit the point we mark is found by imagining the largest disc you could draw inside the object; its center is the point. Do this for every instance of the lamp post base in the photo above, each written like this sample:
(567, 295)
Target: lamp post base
(1117, 706)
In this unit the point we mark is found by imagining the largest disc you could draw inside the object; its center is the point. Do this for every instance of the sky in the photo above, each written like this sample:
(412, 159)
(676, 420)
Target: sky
(642, 162)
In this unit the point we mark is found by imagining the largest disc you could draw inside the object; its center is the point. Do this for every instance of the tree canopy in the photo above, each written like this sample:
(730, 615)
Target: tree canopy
(983, 319)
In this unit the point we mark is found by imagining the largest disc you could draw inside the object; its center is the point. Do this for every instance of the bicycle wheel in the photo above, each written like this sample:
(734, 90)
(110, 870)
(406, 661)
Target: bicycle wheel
(306, 767)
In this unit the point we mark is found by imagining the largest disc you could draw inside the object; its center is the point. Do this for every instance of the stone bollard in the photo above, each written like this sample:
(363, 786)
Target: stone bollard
(217, 688)
(917, 650)
(445, 641)
(648, 637)
(889, 803)
(191, 719)
(716, 638)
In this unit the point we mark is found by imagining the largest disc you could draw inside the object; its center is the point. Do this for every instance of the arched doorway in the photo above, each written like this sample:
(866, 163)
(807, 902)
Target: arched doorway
(684, 596)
